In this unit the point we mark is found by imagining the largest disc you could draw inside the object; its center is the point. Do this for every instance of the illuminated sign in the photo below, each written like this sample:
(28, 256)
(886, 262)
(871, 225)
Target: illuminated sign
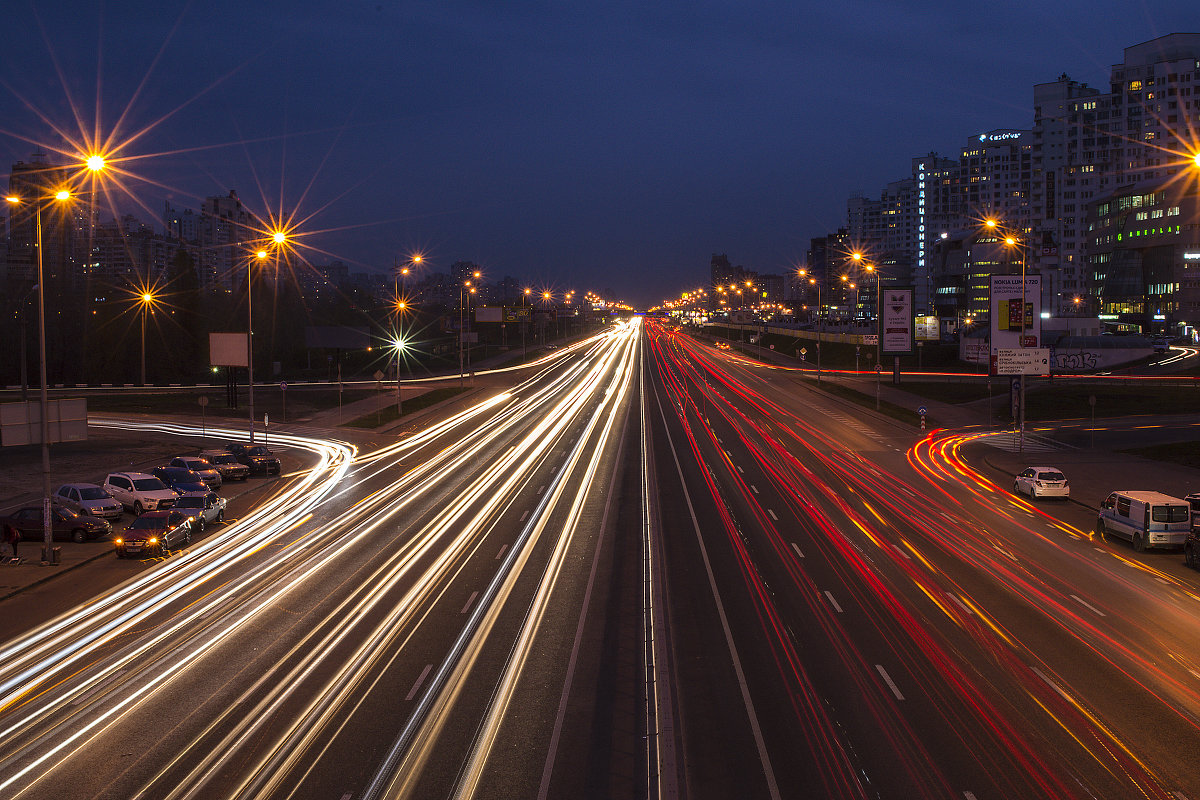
(1191, 256)
(999, 137)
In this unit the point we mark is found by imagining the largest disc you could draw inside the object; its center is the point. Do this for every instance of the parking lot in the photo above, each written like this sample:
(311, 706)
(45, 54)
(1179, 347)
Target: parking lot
(90, 462)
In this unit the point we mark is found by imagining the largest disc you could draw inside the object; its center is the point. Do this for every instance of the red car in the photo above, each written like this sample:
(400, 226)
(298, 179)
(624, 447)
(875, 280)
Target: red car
(65, 524)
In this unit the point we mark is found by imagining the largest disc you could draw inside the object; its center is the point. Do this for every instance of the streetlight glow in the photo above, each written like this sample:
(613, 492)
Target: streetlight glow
(95, 163)
(279, 237)
(62, 194)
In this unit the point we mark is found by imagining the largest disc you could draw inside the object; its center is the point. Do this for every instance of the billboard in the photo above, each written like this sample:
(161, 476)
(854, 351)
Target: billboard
(21, 423)
(1011, 325)
(517, 313)
(489, 314)
(227, 350)
(927, 329)
(896, 329)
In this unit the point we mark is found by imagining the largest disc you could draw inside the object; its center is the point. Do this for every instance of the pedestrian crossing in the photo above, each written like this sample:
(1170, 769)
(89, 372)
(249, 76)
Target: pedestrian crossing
(855, 425)
(1010, 441)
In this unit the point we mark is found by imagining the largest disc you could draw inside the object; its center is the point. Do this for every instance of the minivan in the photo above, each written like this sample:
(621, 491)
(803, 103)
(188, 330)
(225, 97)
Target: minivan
(1148, 519)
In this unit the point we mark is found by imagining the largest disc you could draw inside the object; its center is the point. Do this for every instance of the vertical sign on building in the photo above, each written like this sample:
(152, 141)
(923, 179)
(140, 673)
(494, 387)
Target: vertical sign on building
(927, 301)
(896, 321)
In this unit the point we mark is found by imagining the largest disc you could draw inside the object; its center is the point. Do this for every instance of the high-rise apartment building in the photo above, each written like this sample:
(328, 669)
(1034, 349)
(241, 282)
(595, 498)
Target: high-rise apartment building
(225, 234)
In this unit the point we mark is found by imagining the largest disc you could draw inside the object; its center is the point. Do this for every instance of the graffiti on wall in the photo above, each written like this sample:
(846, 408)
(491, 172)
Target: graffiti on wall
(1075, 362)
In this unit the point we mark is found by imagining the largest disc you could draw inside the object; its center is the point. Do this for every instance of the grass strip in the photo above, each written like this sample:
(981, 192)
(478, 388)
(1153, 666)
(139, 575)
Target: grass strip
(390, 413)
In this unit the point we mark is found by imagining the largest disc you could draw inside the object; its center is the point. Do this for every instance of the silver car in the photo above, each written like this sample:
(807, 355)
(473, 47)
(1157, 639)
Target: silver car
(88, 499)
(210, 474)
(204, 508)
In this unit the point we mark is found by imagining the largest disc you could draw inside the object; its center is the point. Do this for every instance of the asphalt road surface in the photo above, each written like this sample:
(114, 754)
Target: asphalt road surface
(651, 569)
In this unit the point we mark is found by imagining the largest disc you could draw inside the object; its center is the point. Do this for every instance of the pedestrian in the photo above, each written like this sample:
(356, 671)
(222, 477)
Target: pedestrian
(11, 537)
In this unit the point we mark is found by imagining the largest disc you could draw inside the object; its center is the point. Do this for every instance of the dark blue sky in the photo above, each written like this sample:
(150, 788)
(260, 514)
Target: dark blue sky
(580, 145)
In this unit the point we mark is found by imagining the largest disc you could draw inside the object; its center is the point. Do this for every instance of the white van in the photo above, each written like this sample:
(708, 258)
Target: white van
(1148, 519)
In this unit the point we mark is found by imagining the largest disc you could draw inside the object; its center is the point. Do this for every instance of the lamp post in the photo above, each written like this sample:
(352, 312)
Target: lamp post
(878, 333)
(820, 324)
(401, 307)
(524, 323)
(1011, 242)
(60, 196)
(461, 331)
(147, 302)
(261, 255)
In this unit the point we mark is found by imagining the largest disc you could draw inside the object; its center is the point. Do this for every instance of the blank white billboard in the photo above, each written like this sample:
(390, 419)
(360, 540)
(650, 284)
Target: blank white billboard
(227, 350)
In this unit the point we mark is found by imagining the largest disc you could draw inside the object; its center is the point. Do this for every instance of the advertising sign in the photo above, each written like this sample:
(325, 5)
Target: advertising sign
(927, 329)
(1011, 326)
(227, 350)
(21, 423)
(517, 313)
(489, 314)
(896, 321)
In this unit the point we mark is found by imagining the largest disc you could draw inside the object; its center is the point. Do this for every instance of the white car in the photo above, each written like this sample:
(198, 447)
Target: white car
(139, 492)
(1042, 482)
(88, 499)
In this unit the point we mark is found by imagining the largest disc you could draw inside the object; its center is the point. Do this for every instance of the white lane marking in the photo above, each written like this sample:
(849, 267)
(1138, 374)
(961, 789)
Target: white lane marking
(901, 552)
(541, 488)
(501, 553)
(755, 488)
(1099, 549)
(1053, 685)
(470, 600)
(968, 796)
(961, 604)
(888, 680)
(1087, 605)
(740, 469)
(1160, 580)
(833, 602)
(523, 516)
(772, 513)
(98, 687)
(797, 549)
(416, 686)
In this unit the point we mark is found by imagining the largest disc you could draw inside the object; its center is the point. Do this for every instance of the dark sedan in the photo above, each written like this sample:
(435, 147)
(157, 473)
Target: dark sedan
(155, 533)
(181, 480)
(255, 456)
(65, 524)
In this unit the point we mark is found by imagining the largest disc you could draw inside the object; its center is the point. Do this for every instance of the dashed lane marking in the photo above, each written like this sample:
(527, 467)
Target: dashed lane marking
(797, 549)
(772, 513)
(833, 602)
(1087, 605)
(417, 686)
(501, 553)
(470, 600)
(888, 680)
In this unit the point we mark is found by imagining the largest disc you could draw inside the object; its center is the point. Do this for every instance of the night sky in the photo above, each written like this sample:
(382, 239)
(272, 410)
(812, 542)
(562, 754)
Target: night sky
(576, 145)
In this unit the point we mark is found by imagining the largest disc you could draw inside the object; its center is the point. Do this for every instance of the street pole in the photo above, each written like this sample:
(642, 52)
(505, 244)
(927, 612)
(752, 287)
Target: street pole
(878, 336)
(1024, 378)
(250, 340)
(143, 343)
(45, 401)
(461, 381)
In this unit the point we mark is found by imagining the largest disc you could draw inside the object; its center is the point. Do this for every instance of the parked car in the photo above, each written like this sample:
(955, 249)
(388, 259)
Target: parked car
(65, 524)
(1161, 344)
(154, 532)
(1147, 519)
(139, 492)
(203, 508)
(1042, 482)
(227, 464)
(88, 499)
(1191, 549)
(255, 456)
(181, 481)
(200, 466)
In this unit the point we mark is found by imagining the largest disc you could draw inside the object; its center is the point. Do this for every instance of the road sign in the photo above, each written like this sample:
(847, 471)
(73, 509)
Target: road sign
(283, 385)
(922, 411)
(1023, 361)
(378, 375)
(202, 400)
(871, 338)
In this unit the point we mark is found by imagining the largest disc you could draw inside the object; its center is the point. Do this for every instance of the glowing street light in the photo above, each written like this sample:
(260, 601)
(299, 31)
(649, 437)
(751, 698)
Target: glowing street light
(61, 196)
(146, 300)
(260, 256)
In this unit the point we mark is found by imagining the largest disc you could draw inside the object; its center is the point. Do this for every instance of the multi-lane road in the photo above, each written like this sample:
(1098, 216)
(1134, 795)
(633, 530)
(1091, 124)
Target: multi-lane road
(649, 569)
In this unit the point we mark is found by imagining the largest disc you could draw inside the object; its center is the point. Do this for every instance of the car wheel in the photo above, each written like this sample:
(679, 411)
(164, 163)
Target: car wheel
(1189, 555)
(1100, 527)
(1139, 542)
(137, 508)
(200, 525)
(221, 515)
(1016, 488)
(78, 536)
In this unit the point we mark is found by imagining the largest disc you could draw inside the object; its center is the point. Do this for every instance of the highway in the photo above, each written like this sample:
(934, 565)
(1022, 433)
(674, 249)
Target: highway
(648, 569)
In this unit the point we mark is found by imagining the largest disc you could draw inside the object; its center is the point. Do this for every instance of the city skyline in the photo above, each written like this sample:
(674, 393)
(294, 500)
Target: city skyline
(580, 147)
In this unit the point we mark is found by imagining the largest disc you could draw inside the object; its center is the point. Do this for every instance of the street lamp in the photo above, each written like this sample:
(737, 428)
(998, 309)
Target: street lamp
(878, 330)
(1011, 241)
(821, 325)
(146, 300)
(524, 323)
(60, 196)
(260, 255)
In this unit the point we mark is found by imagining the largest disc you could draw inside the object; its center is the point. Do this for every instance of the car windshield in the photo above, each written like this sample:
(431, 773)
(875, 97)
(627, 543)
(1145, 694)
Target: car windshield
(190, 502)
(258, 450)
(227, 458)
(1052, 476)
(148, 524)
(196, 464)
(94, 493)
(148, 484)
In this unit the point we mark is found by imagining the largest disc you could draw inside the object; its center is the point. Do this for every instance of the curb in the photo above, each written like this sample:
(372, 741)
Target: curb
(54, 575)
